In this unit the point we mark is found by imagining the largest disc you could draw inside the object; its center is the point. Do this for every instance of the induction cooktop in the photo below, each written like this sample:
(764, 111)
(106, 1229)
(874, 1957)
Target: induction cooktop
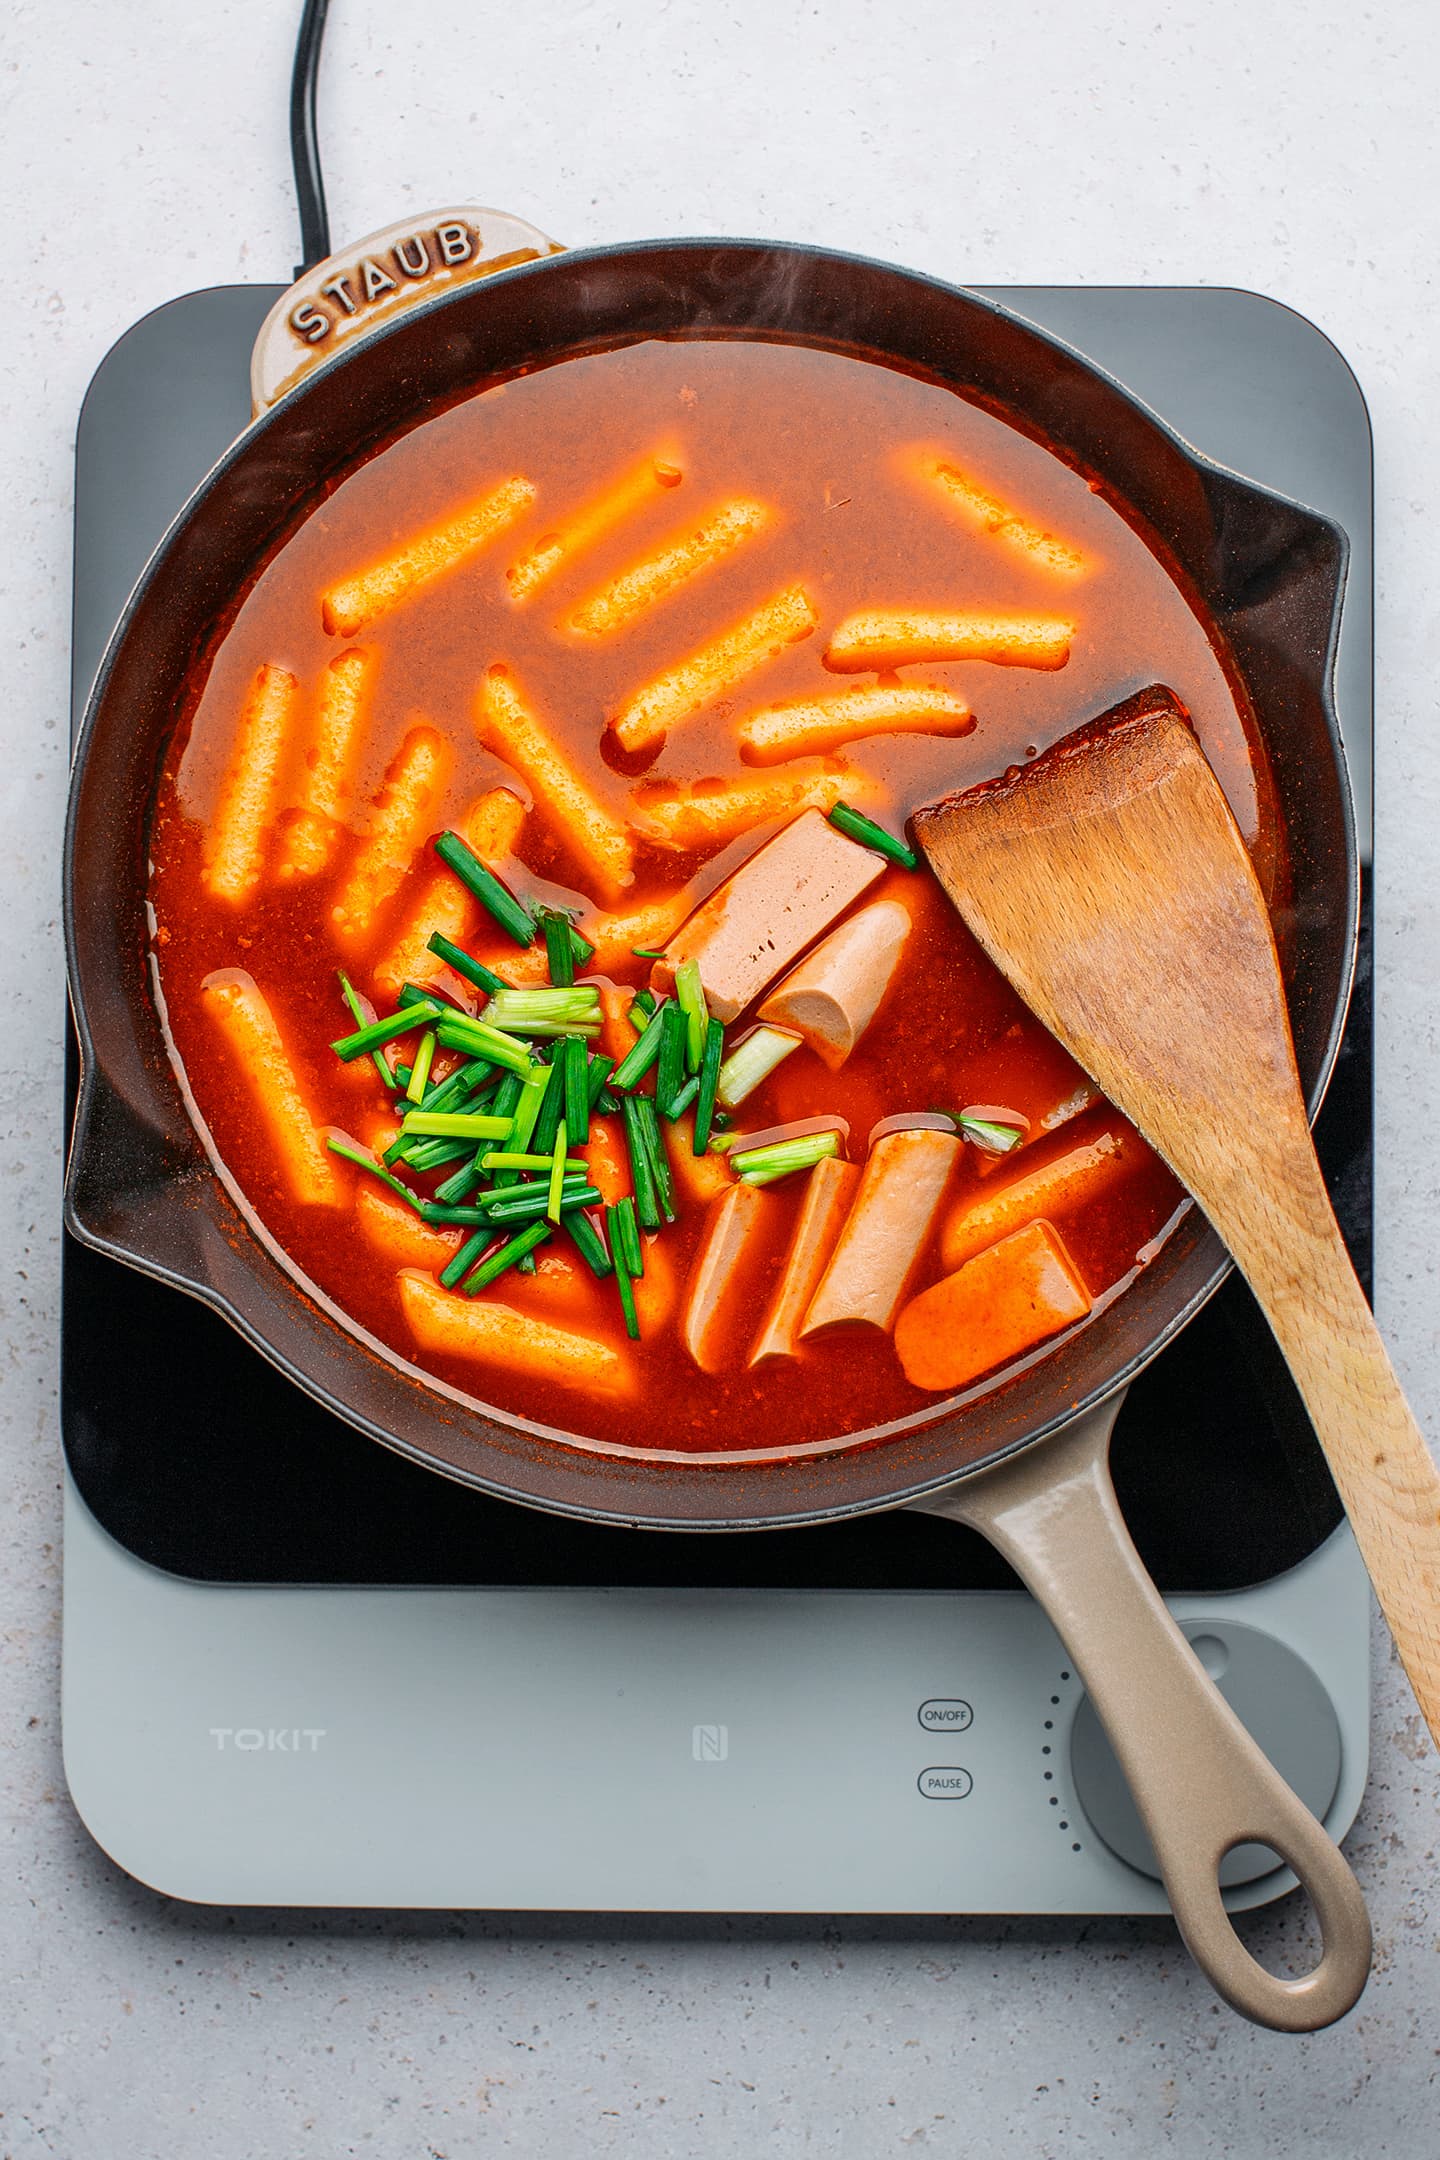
(301, 1670)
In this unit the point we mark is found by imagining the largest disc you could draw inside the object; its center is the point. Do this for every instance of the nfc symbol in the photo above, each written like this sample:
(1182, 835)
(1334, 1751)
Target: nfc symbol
(709, 1743)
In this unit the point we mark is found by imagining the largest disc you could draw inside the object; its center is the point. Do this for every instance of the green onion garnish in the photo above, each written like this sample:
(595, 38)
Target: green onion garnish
(364, 1161)
(709, 1080)
(641, 1055)
(508, 1159)
(625, 1243)
(670, 1065)
(559, 954)
(679, 1104)
(691, 994)
(856, 826)
(456, 1125)
(530, 1201)
(643, 1003)
(384, 1031)
(642, 1174)
(588, 1242)
(474, 971)
(545, 1012)
(515, 1249)
(625, 1237)
(423, 1154)
(382, 1063)
(464, 1258)
(573, 1056)
(987, 1133)
(412, 994)
(420, 1070)
(534, 1089)
(513, 919)
(457, 1031)
(557, 1175)
(465, 1080)
(552, 1107)
(659, 1159)
(455, 1187)
(762, 1165)
(646, 952)
(750, 1062)
(597, 1072)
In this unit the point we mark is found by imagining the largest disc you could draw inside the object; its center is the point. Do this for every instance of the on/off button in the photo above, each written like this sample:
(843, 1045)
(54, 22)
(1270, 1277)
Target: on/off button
(946, 1713)
(945, 1781)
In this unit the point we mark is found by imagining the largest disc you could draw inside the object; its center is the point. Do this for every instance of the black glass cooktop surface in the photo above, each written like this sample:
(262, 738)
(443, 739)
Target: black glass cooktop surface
(201, 1459)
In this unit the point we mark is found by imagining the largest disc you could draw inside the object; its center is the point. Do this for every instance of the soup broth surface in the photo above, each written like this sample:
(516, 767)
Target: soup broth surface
(842, 457)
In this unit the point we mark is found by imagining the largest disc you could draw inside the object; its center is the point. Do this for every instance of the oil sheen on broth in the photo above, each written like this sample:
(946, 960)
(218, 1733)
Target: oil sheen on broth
(651, 563)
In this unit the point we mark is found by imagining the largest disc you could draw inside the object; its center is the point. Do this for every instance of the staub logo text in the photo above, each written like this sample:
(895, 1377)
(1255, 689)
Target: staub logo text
(267, 1739)
(409, 260)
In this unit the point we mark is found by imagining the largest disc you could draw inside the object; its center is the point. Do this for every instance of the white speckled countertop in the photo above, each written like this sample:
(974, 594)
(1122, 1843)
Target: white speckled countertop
(144, 153)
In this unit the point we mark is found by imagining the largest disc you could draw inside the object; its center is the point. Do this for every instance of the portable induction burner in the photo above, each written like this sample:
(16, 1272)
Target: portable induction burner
(299, 1670)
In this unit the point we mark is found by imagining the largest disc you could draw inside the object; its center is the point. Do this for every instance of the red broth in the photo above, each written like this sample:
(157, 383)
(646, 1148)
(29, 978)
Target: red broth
(827, 443)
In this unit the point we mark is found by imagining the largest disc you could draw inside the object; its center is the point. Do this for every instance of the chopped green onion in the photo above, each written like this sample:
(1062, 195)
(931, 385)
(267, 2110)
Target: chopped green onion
(856, 826)
(465, 1080)
(530, 1201)
(513, 919)
(625, 1243)
(545, 1012)
(572, 1056)
(752, 1061)
(597, 1072)
(641, 1055)
(559, 955)
(762, 1165)
(384, 1031)
(691, 993)
(456, 1125)
(455, 1188)
(642, 1175)
(508, 1159)
(643, 1002)
(457, 1031)
(412, 994)
(364, 1161)
(551, 1109)
(646, 952)
(533, 1089)
(474, 971)
(670, 1065)
(679, 1104)
(465, 1256)
(588, 1242)
(659, 1159)
(625, 1237)
(420, 1070)
(709, 1081)
(423, 1154)
(581, 948)
(988, 1133)
(516, 1249)
(382, 1063)
(557, 1174)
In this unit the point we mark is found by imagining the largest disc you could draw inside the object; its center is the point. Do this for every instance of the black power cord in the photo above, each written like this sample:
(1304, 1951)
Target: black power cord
(304, 141)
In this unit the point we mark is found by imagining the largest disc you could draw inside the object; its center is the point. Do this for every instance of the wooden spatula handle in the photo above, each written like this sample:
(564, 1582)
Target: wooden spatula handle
(1301, 1275)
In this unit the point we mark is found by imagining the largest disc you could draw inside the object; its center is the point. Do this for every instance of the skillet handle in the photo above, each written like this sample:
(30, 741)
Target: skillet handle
(366, 285)
(1200, 1782)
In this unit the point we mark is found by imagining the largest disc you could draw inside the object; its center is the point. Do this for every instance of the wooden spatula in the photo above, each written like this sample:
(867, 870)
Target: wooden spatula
(1109, 882)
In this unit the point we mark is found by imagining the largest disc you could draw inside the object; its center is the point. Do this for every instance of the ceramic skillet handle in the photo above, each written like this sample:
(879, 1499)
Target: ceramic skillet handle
(1200, 1782)
(363, 287)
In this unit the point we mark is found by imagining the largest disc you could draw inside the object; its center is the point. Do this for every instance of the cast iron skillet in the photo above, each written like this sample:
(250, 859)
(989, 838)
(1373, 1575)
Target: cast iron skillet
(141, 1187)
